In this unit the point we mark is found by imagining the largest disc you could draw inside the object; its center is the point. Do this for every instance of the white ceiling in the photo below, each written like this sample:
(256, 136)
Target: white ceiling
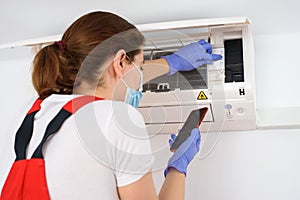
(32, 18)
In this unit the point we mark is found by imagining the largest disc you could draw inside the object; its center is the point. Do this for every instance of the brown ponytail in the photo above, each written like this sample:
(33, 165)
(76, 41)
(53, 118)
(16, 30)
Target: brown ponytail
(89, 41)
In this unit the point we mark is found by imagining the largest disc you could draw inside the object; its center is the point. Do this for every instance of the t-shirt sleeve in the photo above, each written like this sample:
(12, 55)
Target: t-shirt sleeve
(132, 155)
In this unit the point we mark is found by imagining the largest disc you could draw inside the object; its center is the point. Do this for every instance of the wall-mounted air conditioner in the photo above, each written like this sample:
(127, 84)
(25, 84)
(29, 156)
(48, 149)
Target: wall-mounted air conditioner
(226, 87)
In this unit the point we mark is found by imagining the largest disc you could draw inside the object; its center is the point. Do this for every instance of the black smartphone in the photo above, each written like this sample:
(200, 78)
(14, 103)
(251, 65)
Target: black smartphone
(193, 121)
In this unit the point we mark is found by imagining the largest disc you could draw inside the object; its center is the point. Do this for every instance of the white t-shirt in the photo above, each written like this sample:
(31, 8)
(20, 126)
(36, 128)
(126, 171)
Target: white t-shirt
(104, 145)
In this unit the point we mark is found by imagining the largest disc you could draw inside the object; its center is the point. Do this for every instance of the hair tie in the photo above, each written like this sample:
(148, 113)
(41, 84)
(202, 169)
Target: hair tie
(61, 45)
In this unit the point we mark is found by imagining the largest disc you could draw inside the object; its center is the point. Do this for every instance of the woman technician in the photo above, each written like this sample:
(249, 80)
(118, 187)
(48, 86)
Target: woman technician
(103, 150)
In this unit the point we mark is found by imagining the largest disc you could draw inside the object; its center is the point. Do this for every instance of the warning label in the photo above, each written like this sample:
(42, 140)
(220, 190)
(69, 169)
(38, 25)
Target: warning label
(202, 96)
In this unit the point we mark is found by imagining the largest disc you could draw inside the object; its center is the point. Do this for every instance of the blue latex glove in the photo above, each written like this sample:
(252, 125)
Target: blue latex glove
(185, 153)
(191, 56)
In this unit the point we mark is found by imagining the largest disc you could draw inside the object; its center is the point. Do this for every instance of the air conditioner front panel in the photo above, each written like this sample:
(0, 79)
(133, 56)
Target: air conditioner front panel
(227, 86)
(172, 114)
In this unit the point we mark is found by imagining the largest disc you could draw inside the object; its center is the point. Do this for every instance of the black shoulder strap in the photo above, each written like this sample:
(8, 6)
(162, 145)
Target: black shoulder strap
(24, 133)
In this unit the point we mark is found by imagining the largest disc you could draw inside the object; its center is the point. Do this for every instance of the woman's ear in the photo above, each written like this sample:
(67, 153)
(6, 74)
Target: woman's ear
(118, 63)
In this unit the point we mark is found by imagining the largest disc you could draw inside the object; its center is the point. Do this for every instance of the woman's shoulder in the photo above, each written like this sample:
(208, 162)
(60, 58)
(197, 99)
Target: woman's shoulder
(118, 110)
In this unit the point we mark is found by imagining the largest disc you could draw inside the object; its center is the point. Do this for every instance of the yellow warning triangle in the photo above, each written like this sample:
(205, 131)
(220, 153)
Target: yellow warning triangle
(202, 96)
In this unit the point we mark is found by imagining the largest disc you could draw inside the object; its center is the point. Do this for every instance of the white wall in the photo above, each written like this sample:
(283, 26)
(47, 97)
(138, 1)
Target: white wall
(261, 164)
(277, 70)
(32, 18)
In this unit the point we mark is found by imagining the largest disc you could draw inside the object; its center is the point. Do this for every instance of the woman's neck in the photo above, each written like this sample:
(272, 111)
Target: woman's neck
(98, 91)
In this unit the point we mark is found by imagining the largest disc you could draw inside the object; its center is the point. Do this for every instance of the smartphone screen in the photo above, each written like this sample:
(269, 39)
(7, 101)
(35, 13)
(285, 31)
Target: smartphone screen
(193, 121)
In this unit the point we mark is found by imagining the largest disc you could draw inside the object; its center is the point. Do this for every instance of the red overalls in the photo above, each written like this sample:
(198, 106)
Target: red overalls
(27, 179)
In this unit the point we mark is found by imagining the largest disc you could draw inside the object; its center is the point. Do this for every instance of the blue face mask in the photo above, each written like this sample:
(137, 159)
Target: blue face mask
(132, 96)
